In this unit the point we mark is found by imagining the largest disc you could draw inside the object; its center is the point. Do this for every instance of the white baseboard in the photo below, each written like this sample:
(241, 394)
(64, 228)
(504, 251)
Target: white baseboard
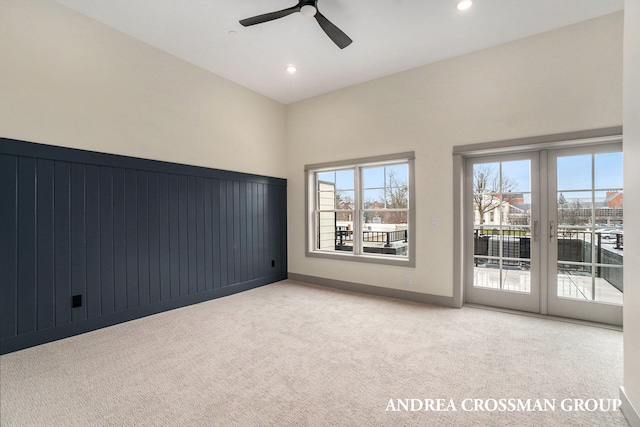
(630, 412)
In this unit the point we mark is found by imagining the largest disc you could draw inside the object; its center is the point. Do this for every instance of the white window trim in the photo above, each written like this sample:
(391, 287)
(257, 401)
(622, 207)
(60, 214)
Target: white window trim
(310, 170)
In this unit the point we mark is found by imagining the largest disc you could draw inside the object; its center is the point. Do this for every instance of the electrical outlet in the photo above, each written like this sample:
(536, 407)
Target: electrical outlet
(76, 301)
(407, 280)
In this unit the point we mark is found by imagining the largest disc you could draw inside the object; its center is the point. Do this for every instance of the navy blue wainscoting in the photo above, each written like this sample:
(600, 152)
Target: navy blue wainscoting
(89, 240)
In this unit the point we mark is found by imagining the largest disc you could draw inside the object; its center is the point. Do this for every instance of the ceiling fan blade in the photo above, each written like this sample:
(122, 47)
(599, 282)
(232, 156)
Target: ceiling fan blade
(334, 33)
(270, 16)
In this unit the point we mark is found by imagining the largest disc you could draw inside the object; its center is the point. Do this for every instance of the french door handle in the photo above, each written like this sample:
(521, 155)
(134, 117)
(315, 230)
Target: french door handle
(552, 226)
(535, 231)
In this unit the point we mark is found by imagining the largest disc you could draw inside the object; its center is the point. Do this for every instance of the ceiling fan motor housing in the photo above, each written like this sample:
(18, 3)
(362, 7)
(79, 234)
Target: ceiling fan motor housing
(308, 11)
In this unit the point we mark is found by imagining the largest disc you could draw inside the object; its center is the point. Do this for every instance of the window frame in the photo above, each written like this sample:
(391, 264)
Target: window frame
(311, 239)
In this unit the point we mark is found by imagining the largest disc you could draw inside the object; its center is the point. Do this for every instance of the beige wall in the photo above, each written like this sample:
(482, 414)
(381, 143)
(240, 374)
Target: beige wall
(565, 80)
(632, 204)
(67, 80)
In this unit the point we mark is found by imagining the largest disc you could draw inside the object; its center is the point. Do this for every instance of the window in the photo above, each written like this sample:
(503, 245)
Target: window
(361, 210)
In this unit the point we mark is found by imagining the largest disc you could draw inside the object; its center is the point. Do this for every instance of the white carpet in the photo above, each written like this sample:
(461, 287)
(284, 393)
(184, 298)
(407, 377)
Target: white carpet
(294, 354)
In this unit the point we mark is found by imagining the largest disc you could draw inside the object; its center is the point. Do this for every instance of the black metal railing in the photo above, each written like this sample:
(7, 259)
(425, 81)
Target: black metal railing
(573, 247)
(344, 236)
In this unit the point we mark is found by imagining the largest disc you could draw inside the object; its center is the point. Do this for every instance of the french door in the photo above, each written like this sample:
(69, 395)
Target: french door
(502, 195)
(544, 232)
(586, 233)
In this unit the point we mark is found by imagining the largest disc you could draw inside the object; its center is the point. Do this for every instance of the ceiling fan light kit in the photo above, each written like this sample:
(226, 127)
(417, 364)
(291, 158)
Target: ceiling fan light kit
(308, 8)
(308, 11)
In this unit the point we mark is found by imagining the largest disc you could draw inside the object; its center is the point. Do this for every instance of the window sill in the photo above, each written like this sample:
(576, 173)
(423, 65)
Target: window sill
(370, 259)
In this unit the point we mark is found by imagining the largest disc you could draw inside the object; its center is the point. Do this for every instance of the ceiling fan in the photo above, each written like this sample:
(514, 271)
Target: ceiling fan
(308, 8)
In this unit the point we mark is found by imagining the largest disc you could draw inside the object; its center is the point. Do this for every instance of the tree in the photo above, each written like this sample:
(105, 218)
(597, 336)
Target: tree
(487, 189)
(396, 196)
(575, 216)
(562, 202)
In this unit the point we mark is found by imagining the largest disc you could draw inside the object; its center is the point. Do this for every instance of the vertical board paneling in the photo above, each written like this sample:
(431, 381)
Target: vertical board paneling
(9, 246)
(200, 233)
(253, 248)
(280, 216)
(272, 227)
(208, 235)
(218, 254)
(192, 254)
(26, 245)
(242, 219)
(143, 237)
(93, 222)
(130, 236)
(250, 230)
(163, 224)
(154, 240)
(183, 233)
(62, 243)
(107, 273)
(263, 231)
(78, 239)
(46, 302)
(174, 235)
(119, 241)
(276, 226)
(256, 229)
(237, 245)
(231, 244)
(131, 230)
(226, 230)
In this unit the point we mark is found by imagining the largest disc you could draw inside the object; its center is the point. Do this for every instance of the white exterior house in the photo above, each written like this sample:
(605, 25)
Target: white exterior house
(501, 212)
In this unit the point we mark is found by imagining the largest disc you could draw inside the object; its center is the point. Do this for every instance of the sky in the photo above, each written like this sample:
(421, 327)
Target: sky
(373, 179)
(373, 176)
(573, 173)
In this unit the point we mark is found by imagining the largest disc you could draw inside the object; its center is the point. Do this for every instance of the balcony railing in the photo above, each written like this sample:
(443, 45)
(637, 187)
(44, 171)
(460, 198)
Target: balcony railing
(344, 236)
(573, 247)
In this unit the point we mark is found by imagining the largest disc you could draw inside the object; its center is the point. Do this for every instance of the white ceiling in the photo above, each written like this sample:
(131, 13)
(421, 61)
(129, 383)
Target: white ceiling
(389, 36)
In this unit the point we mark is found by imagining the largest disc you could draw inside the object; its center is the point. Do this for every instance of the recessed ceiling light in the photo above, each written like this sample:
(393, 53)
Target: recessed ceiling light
(463, 4)
(291, 69)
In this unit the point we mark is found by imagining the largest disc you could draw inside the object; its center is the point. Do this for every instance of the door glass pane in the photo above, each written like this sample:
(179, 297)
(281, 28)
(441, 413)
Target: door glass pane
(575, 208)
(516, 176)
(502, 225)
(517, 280)
(516, 209)
(574, 172)
(590, 227)
(608, 171)
(609, 284)
(573, 244)
(574, 281)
